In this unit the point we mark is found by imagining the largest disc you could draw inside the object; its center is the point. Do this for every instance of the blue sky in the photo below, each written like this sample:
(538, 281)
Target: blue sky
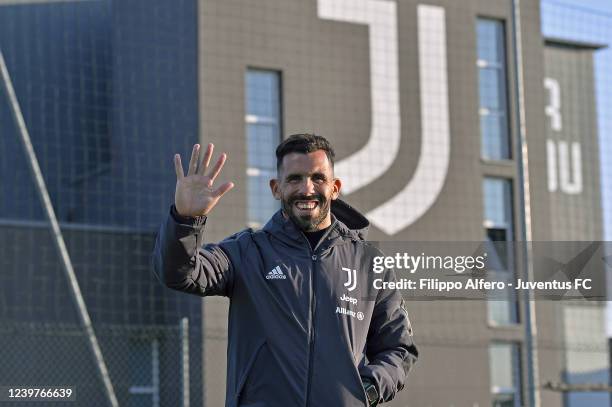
(591, 20)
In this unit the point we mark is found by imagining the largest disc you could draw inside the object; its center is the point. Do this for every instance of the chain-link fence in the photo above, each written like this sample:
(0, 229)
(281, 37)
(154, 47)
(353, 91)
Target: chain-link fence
(148, 365)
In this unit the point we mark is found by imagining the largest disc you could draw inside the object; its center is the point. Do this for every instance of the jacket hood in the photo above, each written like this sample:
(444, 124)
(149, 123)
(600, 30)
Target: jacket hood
(350, 218)
(347, 220)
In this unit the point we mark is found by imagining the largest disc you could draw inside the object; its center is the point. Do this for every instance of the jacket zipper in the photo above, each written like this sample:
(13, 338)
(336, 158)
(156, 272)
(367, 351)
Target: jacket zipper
(313, 306)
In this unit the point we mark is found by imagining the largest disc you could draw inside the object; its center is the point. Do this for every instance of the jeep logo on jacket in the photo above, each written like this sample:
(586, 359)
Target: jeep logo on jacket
(297, 335)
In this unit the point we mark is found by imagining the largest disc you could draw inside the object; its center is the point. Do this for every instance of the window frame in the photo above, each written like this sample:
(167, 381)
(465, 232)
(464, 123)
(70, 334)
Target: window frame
(507, 274)
(153, 389)
(515, 393)
(254, 119)
(504, 112)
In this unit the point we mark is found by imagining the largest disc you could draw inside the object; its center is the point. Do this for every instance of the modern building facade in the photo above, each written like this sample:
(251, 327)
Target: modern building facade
(438, 138)
(574, 184)
(420, 102)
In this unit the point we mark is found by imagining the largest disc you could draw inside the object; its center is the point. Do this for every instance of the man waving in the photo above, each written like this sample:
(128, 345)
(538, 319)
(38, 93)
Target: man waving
(305, 326)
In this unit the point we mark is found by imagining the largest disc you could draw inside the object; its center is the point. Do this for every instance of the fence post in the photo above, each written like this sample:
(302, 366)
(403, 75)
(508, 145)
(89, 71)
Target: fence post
(531, 328)
(185, 361)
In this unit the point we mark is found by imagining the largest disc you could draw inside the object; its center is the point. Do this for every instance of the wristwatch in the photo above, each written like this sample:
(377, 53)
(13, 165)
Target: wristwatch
(371, 392)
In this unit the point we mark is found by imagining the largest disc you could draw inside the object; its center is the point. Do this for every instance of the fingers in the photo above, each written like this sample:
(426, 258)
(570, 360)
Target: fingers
(217, 168)
(193, 163)
(219, 192)
(178, 167)
(206, 160)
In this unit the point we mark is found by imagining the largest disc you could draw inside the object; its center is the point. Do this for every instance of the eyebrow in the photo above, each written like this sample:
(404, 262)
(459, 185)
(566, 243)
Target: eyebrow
(297, 175)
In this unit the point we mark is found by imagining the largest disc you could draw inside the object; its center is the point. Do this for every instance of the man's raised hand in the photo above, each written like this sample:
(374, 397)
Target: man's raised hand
(194, 194)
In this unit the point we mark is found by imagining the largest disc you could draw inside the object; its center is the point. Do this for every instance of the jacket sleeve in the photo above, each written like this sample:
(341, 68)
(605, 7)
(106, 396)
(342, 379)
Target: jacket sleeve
(180, 262)
(390, 349)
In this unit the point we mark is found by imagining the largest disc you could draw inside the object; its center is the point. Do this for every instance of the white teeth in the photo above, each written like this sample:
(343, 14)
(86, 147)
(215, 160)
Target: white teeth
(306, 205)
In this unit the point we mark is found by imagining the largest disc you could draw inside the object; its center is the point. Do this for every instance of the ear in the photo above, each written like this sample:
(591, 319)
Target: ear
(275, 188)
(336, 188)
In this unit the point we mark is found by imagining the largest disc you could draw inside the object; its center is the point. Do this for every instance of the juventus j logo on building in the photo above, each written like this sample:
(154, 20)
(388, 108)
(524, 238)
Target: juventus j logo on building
(351, 281)
(361, 169)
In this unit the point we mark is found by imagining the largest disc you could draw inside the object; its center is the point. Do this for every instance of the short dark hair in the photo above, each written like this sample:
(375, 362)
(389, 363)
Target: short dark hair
(303, 143)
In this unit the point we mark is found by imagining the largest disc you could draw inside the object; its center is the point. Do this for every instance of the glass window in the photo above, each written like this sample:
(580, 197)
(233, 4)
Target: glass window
(492, 87)
(263, 122)
(504, 371)
(498, 205)
(498, 223)
(144, 373)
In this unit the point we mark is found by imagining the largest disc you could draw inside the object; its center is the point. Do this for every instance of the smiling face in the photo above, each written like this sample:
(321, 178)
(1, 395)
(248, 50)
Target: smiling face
(306, 186)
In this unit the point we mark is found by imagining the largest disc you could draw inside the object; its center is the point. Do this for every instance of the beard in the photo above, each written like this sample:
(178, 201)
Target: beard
(307, 222)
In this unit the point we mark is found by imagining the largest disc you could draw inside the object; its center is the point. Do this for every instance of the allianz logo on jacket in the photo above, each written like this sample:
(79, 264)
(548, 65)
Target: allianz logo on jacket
(276, 274)
(345, 311)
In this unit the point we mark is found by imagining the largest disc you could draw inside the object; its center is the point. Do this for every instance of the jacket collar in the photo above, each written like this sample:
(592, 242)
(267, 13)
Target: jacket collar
(347, 223)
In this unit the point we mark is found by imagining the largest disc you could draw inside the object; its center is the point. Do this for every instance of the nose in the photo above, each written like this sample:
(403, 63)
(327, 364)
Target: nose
(307, 187)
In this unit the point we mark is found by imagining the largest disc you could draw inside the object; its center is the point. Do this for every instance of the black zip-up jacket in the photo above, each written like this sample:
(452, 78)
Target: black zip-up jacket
(304, 328)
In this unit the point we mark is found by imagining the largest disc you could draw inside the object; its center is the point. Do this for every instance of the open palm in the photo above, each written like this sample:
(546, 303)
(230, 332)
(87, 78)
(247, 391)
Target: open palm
(194, 194)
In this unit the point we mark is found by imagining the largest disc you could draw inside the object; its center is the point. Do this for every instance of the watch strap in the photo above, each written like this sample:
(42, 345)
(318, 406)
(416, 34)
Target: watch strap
(371, 393)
